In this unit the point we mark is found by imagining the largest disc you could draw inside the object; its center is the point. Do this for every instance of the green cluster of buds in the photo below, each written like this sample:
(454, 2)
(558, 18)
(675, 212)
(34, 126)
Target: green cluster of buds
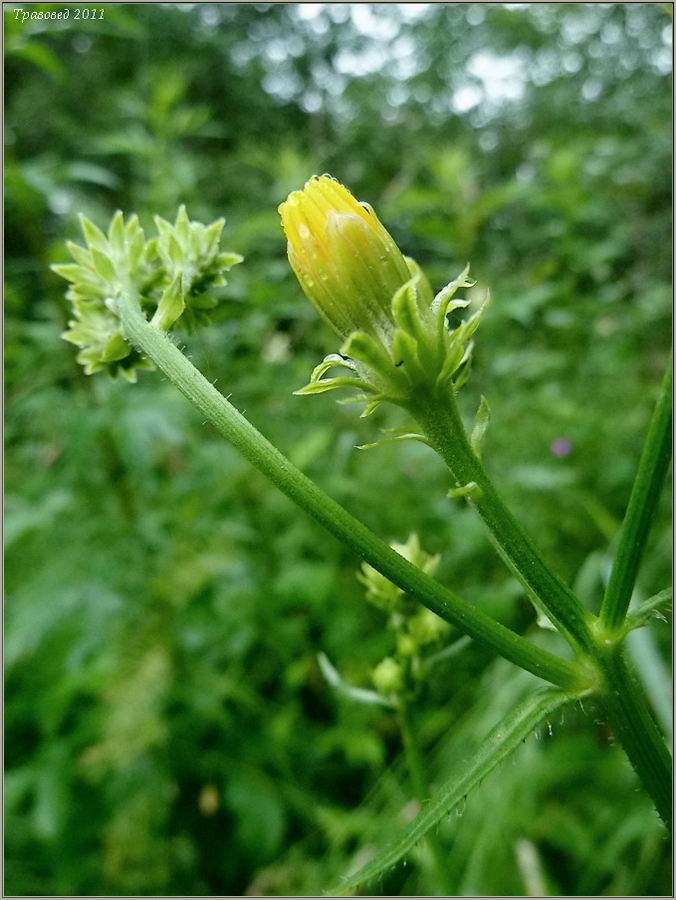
(381, 592)
(193, 265)
(396, 334)
(96, 277)
(172, 273)
(388, 677)
(417, 628)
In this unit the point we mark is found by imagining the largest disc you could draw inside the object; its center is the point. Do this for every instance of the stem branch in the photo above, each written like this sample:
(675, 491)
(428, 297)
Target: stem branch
(637, 521)
(353, 533)
(441, 423)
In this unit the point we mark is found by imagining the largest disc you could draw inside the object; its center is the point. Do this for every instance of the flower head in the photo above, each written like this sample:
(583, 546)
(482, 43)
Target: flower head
(346, 262)
(171, 274)
(396, 334)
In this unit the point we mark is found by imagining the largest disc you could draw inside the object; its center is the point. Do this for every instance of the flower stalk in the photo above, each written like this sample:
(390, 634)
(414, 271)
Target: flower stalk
(642, 504)
(471, 620)
(440, 422)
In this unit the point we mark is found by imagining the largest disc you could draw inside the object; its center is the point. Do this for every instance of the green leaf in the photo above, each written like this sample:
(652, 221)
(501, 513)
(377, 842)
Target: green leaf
(368, 350)
(171, 306)
(93, 235)
(212, 236)
(175, 251)
(80, 255)
(71, 271)
(405, 352)
(481, 420)
(115, 349)
(227, 260)
(132, 227)
(501, 741)
(136, 248)
(640, 513)
(442, 305)
(103, 265)
(406, 313)
(41, 57)
(182, 226)
(329, 384)
(338, 683)
(648, 610)
(116, 233)
(470, 490)
(166, 229)
(408, 436)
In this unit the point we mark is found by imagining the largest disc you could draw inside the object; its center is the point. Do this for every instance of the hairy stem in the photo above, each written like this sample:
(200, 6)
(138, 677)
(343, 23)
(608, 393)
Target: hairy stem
(353, 533)
(627, 708)
(644, 497)
(635, 728)
(440, 420)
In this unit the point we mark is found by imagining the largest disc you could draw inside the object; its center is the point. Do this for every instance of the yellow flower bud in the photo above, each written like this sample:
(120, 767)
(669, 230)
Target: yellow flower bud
(396, 335)
(347, 264)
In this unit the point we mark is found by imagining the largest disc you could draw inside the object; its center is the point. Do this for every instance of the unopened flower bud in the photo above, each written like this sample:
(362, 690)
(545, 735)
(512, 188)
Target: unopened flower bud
(388, 677)
(346, 262)
(396, 335)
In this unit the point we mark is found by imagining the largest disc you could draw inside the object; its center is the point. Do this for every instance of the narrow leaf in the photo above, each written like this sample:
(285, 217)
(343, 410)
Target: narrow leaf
(170, 307)
(368, 350)
(103, 265)
(481, 420)
(410, 436)
(93, 235)
(470, 490)
(648, 610)
(502, 740)
(329, 384)
(70, 271)
(80, 255)
(338, 683)
(227, 260)
(182, 226)
(116, 233)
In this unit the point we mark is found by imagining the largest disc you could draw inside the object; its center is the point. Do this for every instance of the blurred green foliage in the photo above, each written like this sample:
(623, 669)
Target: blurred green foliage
(168, 729)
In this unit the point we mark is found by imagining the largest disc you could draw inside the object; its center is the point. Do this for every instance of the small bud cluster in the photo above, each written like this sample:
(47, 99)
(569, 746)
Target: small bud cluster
(417, 629)
(193, 265)
(171, 274)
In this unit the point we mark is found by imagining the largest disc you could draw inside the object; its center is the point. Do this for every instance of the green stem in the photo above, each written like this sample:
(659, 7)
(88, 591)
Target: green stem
(637, 731)
(645, 494)
(627, 708)
(353, 533)
(416, 771)
(440, 420)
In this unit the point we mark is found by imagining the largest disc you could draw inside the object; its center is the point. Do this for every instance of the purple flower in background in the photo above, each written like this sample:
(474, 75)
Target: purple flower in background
(560, 447)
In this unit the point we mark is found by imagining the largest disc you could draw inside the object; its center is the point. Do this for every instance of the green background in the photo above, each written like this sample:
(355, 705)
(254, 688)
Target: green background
(167, 727)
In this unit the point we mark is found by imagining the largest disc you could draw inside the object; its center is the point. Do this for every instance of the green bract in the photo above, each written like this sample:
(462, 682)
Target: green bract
(97, 276)
(424, 352)
(190, 257)
(416, 628)
(172, 273)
